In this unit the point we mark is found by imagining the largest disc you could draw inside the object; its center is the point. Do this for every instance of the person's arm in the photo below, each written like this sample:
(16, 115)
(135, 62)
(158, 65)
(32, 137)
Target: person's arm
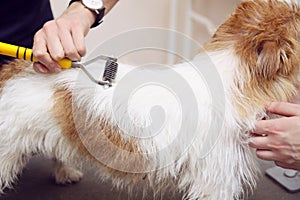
(278, 139)
(64, 36)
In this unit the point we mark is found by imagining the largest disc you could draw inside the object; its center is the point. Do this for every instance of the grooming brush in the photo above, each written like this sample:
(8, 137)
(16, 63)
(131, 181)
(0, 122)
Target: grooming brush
(109, 74)
(110, 70)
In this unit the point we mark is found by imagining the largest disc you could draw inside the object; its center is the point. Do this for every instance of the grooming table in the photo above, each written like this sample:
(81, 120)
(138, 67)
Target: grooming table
(289, 179)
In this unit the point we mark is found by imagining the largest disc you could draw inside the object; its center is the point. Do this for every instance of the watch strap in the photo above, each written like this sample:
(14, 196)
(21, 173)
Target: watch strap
(99, 17)
(99, 14)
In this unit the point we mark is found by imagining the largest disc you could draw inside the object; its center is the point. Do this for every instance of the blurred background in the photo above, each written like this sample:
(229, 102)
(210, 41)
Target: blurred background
(195, 18)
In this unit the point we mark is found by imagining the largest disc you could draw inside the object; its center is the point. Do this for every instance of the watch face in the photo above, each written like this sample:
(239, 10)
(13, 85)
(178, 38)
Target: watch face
(93, 4)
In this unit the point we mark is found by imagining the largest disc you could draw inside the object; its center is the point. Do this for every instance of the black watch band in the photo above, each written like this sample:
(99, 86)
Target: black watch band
(98, 13)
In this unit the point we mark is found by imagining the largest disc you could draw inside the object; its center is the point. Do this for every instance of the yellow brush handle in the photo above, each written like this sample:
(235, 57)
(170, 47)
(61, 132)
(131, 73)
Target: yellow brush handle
(26, 54)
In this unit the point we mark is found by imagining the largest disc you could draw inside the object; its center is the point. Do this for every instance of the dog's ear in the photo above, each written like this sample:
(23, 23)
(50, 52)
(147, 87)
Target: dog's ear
(274, 59)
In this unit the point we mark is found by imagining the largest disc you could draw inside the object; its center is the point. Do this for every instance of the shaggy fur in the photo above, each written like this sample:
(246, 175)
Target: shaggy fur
(70, 119)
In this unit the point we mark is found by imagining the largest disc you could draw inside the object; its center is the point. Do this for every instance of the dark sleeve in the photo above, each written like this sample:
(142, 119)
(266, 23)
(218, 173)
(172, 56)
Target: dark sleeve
(20, 20)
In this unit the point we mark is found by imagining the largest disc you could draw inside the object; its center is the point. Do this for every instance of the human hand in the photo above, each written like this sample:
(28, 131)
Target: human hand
(278, 139)
(62, 37)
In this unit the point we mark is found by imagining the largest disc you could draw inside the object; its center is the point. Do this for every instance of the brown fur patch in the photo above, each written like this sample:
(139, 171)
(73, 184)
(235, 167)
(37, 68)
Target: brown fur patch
(265, 37)
(93, 139)
(7, 71)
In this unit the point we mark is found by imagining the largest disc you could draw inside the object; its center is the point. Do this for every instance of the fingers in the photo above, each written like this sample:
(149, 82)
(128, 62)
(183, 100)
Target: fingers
(69, 39)
(54, 45)
(279, 159)
(56, 40)
(69, 48)
(295, 166)
(40, 52)
(290, 113)
(267, 155)
(276, 139)
(79, 41)
(259, 142)
(284, 109)
(273, 126)
(268, 127)
(271, 154)
(40, 68)
(62, 37)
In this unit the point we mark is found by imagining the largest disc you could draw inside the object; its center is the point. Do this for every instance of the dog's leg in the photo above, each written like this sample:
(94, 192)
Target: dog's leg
(65, 174)
(11, 165)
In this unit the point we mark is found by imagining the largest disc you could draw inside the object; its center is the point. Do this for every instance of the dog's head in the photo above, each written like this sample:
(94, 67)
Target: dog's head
(265, 36)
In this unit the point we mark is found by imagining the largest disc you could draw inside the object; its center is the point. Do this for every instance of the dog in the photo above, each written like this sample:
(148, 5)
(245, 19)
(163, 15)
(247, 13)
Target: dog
(197, 148)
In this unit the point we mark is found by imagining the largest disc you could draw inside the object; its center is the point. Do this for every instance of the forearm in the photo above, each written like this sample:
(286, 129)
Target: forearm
(87, 14)
(109, 4)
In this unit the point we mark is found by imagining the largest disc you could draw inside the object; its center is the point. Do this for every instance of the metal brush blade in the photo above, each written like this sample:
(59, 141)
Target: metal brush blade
(110, 71)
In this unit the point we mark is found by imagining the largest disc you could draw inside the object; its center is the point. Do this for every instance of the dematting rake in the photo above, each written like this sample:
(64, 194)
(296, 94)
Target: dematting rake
(108, 77)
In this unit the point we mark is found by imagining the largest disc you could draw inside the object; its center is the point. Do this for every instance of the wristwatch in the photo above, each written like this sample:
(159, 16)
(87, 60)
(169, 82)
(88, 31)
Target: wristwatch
(95, 6)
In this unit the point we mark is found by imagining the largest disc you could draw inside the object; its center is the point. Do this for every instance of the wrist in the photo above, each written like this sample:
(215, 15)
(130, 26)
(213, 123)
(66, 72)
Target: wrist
(95, 7)
(78, 8)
